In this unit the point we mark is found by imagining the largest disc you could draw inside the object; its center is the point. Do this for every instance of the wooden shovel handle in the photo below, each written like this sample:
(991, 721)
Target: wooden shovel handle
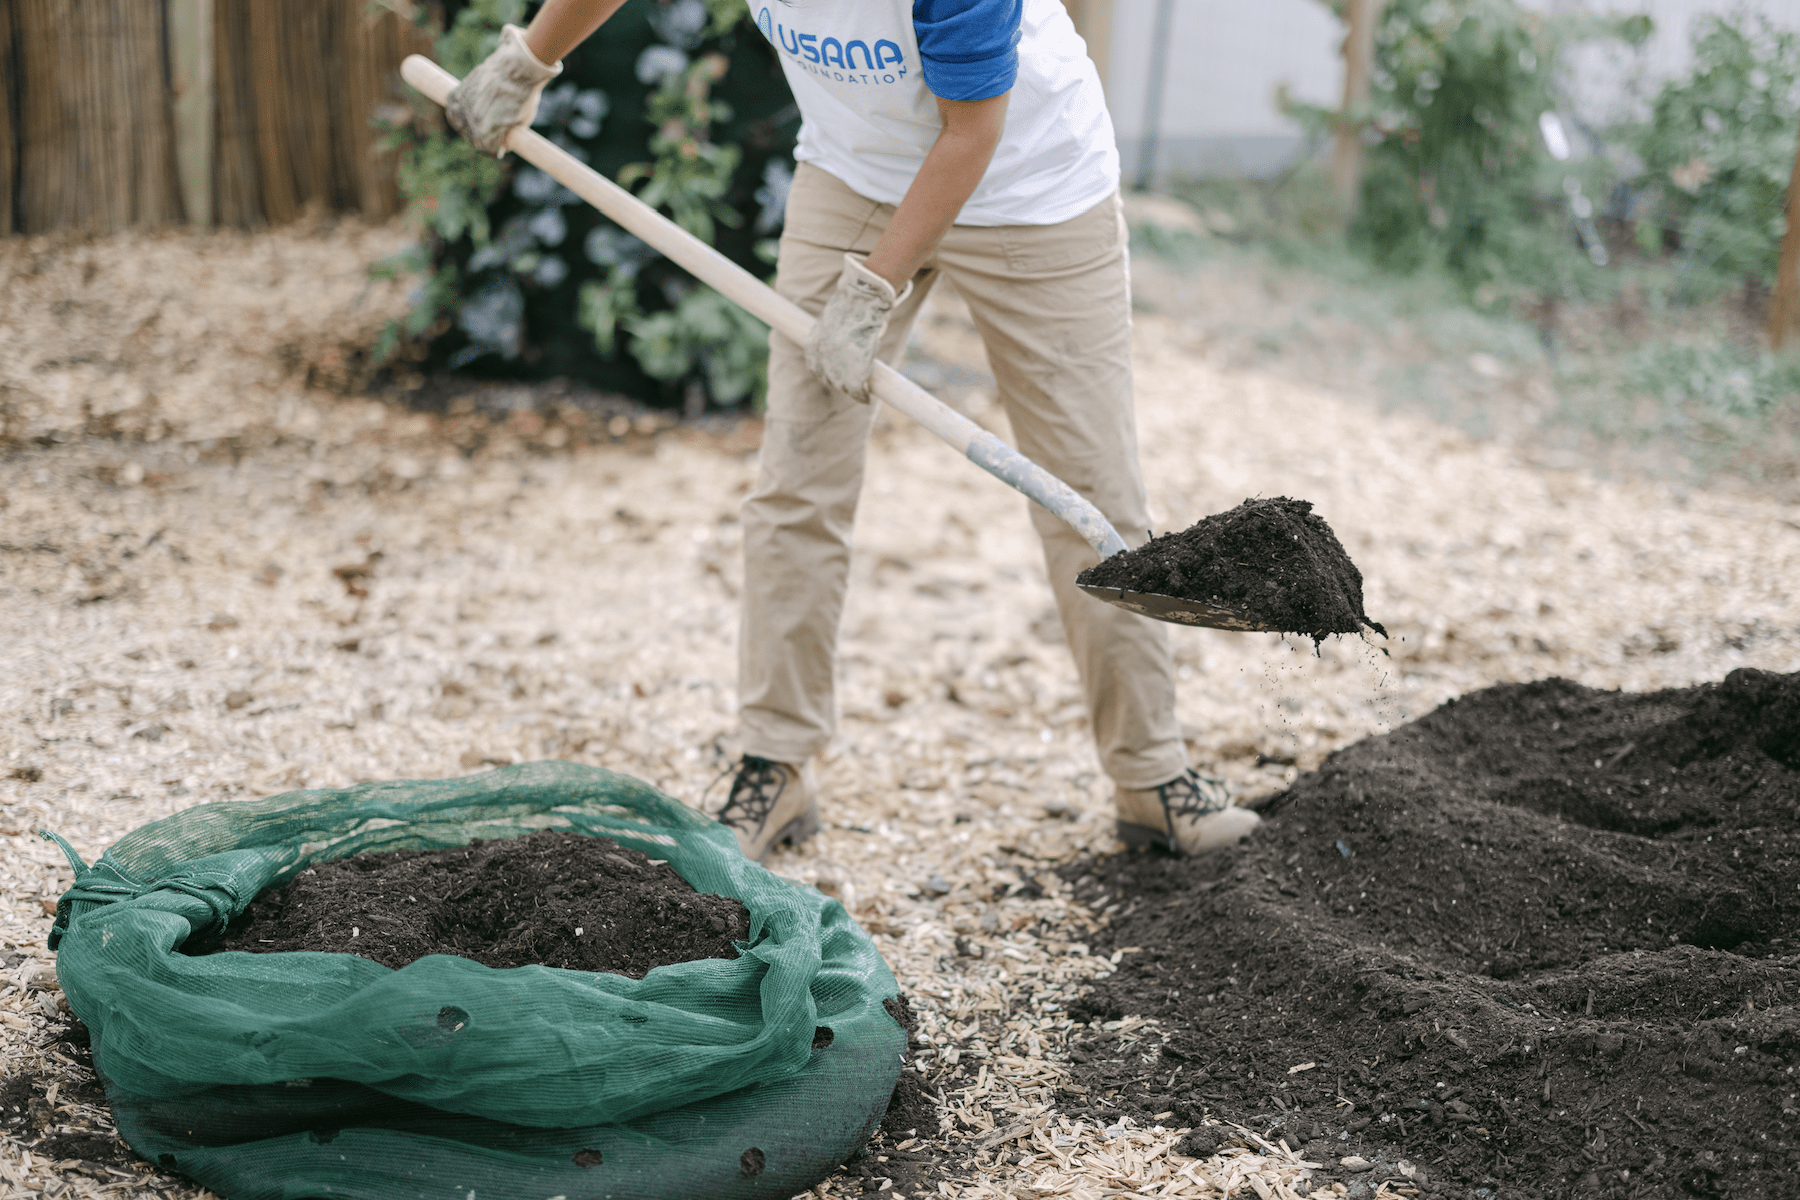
(788, 318)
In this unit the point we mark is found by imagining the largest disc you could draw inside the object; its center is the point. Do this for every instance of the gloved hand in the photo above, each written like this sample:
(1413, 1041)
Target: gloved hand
(841, 350)
(500, 94)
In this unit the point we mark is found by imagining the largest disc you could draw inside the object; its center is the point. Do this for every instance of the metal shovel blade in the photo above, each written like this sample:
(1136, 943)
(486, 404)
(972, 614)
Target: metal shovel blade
(1179, 611)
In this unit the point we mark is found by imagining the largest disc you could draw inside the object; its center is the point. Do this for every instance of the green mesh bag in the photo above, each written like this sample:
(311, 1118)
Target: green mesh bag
(312, 1074)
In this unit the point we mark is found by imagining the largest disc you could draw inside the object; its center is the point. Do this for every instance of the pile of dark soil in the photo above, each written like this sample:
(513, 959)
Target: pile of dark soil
(1543, 942)
(560, 899)
(1276, 561)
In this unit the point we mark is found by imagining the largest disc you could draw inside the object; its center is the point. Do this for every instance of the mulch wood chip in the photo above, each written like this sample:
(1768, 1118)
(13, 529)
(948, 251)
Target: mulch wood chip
(220, 578)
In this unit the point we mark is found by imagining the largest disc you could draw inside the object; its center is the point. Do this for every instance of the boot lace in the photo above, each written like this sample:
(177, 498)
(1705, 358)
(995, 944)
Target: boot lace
(755, 788)
(1191, 794)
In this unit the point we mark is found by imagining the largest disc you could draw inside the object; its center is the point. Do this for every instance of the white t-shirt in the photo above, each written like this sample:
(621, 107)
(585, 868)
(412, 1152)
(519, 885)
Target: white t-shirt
(869, 116)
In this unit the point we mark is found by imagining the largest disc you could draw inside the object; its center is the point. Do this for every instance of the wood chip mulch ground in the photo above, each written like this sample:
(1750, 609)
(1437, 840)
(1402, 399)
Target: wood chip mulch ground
(241, 582)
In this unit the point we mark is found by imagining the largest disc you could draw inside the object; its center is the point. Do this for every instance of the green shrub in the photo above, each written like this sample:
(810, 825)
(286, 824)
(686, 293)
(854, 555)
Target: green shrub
(1456, 174)
(1719, 379)
(523, 279)
(1459, 172)
(1718, 150)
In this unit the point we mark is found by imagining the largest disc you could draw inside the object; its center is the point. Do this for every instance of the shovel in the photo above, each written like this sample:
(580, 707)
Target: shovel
(892, 388)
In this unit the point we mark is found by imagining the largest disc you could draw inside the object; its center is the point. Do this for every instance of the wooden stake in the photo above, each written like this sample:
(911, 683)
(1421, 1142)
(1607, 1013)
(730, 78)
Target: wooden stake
(8, 123)
(1784, 306)
(191, 49)
(1361, 17)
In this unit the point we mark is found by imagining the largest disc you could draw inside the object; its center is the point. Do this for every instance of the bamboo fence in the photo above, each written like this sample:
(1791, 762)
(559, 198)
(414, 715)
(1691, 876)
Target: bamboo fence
(8, 125)
(90, 135)
(95, 143)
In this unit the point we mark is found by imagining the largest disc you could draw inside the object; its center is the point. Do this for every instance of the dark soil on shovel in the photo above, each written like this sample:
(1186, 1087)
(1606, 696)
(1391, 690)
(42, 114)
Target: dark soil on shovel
(560, 899)
(1275, 561)
(1544, 942)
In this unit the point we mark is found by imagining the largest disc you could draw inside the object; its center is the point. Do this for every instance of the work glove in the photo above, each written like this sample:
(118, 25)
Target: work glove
(499, 95)
(841, 348)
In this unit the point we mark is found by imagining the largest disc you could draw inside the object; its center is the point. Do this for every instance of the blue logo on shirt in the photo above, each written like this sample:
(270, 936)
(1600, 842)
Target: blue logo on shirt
(852, 61)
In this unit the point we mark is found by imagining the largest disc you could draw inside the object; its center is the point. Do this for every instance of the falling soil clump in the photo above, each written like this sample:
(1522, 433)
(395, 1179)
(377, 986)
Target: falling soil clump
(1544, 941)
(555, 898)
(1275, 561)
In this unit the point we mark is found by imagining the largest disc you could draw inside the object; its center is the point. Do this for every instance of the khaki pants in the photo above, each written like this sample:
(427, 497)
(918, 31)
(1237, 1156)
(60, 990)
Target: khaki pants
(1053, 306)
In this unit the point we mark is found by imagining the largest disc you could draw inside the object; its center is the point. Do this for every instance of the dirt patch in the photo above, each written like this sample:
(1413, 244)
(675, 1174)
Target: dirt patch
(26, 1111)
(911, 1110)
(1542, 940)
(1275, 560)
(16, 1095)
(903, 1158)
(899, 1165)
(88, 1147)
(560, 899)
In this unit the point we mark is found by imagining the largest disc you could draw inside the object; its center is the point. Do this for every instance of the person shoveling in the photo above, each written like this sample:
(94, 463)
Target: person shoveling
(964, 139)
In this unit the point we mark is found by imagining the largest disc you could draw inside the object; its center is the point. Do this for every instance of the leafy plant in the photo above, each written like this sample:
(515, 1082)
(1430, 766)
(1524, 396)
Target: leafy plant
(524, 279)
(1720, 379)
(448, 185)
(690, 175)
(1456, 171)
(729, 344)
(1718, 150)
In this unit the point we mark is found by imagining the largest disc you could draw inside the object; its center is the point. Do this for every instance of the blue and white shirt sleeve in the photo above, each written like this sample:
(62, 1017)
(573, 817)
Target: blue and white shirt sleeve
(969, 49)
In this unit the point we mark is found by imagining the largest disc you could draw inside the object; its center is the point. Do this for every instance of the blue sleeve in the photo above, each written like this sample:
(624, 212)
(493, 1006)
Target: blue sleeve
(968, 48)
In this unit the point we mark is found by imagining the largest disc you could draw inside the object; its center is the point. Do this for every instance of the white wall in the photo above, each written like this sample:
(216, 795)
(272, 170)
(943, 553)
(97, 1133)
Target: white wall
(1226, 60)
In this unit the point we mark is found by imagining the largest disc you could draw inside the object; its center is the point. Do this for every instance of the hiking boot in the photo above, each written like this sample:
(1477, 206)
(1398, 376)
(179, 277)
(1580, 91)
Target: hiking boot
(1190, 814)
(769, 802)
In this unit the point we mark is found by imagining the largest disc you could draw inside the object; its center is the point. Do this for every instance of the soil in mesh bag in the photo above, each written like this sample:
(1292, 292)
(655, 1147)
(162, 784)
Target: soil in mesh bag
(303, 1073)
(552, 899)
(1275, 561)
